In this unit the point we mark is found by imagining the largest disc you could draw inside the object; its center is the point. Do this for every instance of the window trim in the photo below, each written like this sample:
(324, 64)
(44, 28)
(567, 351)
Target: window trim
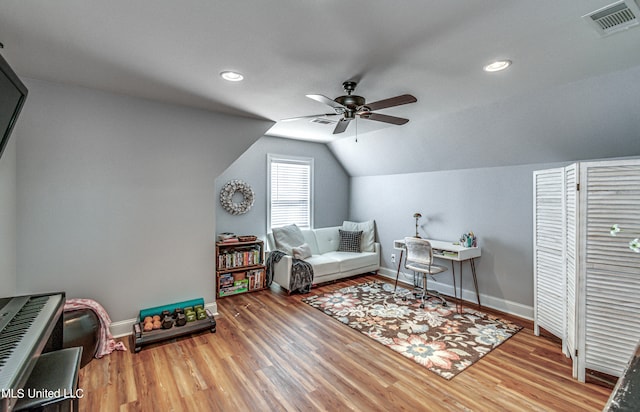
(277, 158)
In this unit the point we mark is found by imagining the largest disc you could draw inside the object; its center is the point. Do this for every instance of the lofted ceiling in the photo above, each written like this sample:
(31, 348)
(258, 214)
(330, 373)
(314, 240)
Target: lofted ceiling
(173, 51)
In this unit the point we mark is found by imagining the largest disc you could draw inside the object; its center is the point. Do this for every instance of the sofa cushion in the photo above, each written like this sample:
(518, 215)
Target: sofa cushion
(323, 265)
(287, 237)
(302, 252)
(328, 239)
(310, 239)
(271, 242)
(349, 241)
(368, 233)
(350, 260)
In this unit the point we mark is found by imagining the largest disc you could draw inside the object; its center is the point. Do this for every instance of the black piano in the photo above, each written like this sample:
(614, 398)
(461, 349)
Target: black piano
(29, 326)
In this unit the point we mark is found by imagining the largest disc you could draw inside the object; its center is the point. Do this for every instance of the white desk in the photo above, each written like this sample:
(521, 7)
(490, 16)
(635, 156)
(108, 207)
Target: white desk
(448, 251)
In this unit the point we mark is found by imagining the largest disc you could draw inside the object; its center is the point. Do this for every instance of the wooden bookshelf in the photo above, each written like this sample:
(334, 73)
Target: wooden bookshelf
(239, 267)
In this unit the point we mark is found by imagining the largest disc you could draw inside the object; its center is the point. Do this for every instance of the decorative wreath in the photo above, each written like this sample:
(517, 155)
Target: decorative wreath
(226, 197)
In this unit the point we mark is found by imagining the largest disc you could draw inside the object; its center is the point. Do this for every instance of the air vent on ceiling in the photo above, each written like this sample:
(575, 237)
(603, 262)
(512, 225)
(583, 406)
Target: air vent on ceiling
(615, 17)
(322, 120)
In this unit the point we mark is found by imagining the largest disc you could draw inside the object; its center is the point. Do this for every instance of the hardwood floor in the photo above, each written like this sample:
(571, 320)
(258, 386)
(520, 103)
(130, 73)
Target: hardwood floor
(272, 352)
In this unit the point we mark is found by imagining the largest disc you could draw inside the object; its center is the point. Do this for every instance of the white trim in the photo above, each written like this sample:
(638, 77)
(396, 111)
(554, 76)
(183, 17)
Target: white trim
(122, 328)
(506, 306)
(125, 327)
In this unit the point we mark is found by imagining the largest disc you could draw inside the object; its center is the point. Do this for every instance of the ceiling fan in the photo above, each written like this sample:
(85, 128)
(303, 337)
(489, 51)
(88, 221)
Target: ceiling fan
(350, 105)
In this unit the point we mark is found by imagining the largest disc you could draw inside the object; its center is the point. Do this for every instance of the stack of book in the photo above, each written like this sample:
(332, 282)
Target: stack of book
(255, 278)
(227, 237)
(229, 286)
(242, 256)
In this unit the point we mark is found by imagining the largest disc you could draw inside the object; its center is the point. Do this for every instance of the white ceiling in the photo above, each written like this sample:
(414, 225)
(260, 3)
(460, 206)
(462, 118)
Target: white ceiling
(173, 51)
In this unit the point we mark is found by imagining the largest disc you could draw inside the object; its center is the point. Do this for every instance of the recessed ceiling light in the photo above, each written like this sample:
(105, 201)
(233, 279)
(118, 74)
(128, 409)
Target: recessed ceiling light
(497, 65)
(231, 76)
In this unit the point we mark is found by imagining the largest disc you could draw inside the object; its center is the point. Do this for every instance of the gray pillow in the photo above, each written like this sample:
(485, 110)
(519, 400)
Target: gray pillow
(287, 237)
(302, 252)
(368, 233)
(349, 241)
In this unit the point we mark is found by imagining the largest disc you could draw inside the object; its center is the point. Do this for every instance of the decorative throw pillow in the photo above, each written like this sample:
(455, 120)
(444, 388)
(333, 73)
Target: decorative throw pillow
(287, 237)
(302, 252)
(368, 233)
(349, 241)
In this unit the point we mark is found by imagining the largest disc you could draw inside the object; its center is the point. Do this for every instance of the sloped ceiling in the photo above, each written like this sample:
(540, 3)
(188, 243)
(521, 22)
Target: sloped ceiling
(569, 93)
(589, 119)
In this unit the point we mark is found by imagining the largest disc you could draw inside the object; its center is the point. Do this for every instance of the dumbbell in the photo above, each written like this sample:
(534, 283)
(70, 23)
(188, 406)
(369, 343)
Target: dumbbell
(181, 319)
(190, 314)
(167, 322)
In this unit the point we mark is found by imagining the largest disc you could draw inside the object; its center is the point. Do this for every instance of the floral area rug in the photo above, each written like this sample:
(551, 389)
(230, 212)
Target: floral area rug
(439, 338)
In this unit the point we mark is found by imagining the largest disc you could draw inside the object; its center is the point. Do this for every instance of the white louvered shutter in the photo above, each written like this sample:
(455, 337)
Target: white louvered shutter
(609, 194)
(548, 246)
(571, 259)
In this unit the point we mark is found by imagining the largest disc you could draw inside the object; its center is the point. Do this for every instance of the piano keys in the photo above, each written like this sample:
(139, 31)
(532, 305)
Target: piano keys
(29, 326)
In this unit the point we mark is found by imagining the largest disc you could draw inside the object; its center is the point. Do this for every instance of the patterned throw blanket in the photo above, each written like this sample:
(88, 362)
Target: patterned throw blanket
(301, 272)
(106, 344)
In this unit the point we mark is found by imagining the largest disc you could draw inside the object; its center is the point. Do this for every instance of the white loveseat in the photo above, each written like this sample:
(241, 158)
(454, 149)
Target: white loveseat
(328, 263)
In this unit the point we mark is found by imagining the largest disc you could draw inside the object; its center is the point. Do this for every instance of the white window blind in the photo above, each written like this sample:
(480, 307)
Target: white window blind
(290, 189)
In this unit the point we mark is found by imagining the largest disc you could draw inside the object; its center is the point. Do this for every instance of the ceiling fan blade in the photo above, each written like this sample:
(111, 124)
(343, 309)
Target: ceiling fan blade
(341, 126)
(383, 118)
(391, 102)
(329, 102)
(308, 117)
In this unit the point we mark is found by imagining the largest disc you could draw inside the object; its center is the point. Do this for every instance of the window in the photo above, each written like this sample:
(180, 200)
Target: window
(290, 191)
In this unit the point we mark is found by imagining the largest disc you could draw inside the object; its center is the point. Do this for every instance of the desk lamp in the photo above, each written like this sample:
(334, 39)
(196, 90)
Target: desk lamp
(417, 216)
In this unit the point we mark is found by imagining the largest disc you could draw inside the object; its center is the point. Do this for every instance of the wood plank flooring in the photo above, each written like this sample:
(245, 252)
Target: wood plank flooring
(272, 352)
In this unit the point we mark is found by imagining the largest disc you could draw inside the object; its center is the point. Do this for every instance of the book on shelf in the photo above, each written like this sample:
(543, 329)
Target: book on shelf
(232, 290)
(251, 277)
(247, 256)
(226, 279)
(241, 282)
(256, 278)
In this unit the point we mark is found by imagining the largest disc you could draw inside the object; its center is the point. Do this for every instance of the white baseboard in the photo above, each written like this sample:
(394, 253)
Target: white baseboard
(512, 308)
(122, 328)
(125, 327)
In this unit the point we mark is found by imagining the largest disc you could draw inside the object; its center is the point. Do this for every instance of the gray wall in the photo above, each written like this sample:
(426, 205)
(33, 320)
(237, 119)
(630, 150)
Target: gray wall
(494, 203)
(490, 152)
(331, 185)
(116, 198)
(8, 219)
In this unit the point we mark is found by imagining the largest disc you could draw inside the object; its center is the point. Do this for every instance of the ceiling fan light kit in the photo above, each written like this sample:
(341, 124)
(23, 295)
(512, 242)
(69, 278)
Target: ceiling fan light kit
(351, 106)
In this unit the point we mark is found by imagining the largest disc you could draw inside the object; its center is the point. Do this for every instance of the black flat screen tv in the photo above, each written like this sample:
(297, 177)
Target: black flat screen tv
(13, 93)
